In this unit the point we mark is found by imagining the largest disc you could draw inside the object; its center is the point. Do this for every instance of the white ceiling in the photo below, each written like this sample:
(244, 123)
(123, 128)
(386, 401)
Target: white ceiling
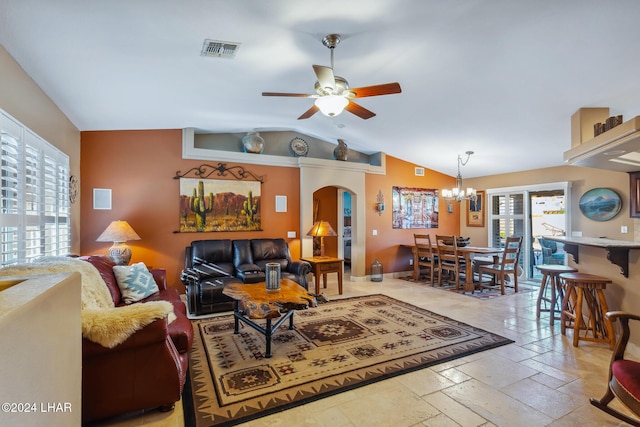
(499, 77)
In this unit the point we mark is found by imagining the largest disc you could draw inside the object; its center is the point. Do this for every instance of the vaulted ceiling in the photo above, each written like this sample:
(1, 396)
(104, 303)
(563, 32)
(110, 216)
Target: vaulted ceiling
(498, 77)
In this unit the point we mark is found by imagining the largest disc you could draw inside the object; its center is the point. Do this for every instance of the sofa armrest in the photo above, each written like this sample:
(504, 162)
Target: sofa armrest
(301, 268)
(191, 277)
(145, 371)
(160, 276)
(155, 332)
(188, 257)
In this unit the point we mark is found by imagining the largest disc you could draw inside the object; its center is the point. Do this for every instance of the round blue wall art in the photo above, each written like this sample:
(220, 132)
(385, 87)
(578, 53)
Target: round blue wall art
(600, 204)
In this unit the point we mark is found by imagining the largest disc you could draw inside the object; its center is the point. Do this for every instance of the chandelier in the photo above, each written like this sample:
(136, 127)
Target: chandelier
(458, 194)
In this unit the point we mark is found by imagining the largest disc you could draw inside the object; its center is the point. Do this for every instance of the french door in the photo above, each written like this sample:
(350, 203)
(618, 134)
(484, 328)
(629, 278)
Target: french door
(507, 218)
(510, 213)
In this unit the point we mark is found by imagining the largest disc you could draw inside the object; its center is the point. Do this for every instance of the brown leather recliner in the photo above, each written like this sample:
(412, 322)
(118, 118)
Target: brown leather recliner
(147, 370)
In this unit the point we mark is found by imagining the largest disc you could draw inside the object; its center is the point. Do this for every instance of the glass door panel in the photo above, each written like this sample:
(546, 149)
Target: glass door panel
(508, 219)
(532, 212)
(548, 218)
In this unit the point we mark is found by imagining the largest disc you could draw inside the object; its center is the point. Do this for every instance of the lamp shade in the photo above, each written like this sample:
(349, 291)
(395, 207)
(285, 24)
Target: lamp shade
(118, 231)
(331, 105)
(321, 229)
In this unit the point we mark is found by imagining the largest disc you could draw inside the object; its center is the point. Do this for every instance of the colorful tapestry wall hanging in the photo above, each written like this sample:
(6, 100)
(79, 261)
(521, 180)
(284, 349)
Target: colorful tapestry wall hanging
(415, 207)
(219, 205)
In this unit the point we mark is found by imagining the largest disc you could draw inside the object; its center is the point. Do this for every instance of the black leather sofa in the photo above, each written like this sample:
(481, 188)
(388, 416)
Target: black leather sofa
(212, 264)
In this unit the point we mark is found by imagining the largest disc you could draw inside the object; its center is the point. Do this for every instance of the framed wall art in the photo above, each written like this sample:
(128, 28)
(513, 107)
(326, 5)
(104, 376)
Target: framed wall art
(475, 210)
(414, 207)
(219, 205)
(600, 204)
(634, 194)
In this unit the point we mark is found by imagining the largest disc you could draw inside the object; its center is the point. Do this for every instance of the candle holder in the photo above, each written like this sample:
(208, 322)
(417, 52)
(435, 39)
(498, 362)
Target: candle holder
(272, 276)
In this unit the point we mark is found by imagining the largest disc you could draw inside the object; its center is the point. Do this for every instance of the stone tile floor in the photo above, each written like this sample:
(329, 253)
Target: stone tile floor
(540, 380)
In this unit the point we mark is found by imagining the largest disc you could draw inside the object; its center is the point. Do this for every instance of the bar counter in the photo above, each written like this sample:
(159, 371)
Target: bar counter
(617, 250)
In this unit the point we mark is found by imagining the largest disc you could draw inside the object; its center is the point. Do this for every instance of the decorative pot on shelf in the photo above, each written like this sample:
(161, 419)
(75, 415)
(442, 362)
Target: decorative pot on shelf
(253, 143)
(341, 151)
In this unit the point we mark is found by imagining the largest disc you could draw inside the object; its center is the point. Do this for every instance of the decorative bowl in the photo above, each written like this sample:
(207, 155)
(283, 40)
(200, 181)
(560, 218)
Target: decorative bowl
(461, 241)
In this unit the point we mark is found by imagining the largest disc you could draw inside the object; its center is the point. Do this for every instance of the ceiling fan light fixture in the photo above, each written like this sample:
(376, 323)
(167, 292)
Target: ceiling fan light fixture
(333, 94)
(331, 105)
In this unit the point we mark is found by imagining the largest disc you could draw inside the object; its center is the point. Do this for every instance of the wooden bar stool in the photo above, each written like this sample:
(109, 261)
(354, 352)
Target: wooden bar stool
(590, 308)
(550, 273)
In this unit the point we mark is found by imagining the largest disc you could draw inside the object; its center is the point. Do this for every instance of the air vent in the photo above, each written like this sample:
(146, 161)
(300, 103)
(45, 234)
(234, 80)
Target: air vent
(219, 49)
(419, 171)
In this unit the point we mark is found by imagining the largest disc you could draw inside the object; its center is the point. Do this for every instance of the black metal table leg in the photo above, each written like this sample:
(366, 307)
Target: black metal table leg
(268, 333)
(236, 317)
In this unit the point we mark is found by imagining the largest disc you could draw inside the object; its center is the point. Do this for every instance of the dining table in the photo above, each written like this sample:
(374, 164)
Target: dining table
(467, 252)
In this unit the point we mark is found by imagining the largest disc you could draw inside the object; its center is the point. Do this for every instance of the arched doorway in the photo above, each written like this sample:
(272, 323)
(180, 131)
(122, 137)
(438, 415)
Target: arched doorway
(344, 179)
(333, 204)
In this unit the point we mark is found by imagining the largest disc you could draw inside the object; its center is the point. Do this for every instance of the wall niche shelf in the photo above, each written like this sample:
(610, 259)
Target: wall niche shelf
(617, 250)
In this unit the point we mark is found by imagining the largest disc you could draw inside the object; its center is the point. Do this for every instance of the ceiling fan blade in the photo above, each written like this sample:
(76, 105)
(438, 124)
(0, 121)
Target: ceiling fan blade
(359, 110)
(325, 77)
(310, 112)
(295, 95)
(384, 89)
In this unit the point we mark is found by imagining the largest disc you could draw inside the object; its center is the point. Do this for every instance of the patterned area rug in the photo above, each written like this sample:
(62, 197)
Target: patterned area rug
(335, 347)
(523, 287)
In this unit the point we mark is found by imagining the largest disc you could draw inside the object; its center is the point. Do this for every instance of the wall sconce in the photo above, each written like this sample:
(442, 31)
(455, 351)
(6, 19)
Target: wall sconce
(380, 203)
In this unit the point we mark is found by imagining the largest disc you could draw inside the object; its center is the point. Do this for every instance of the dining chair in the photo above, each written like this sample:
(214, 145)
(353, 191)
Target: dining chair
(427, 257)
(508, 266)
(449, 260)
(624, 374)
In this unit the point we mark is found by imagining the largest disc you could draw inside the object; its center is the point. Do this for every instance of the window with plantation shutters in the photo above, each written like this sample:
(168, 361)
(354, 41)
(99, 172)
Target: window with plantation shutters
(35, 211)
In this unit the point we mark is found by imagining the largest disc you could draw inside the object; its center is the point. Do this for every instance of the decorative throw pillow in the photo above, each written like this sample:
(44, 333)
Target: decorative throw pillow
(135, 282)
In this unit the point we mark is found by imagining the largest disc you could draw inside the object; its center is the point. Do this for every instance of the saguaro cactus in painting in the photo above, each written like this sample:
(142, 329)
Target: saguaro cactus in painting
(199, 206)
(250, 209)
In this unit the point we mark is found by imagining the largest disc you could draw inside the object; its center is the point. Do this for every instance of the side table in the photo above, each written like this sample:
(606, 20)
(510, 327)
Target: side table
(321, 266)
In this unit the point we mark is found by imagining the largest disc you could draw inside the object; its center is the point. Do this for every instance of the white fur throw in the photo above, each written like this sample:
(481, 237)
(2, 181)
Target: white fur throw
(101, 321)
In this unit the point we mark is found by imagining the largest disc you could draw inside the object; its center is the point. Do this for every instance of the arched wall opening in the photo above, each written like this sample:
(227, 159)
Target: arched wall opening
(314, 178)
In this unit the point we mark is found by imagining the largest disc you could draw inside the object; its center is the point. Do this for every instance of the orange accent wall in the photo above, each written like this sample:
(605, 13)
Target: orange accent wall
(386, 246)
(138, 166)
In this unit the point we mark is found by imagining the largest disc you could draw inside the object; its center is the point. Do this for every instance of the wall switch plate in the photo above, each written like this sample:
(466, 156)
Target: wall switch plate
(410, 261)
(374, 232)
(624, 229)
(576, 234)
(291, 234)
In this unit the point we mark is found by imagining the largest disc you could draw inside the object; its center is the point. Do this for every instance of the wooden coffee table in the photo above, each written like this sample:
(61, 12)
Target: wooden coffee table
(254, 302)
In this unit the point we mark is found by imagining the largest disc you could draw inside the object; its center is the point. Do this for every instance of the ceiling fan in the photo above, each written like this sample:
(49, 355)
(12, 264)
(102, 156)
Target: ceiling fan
(333, 94)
